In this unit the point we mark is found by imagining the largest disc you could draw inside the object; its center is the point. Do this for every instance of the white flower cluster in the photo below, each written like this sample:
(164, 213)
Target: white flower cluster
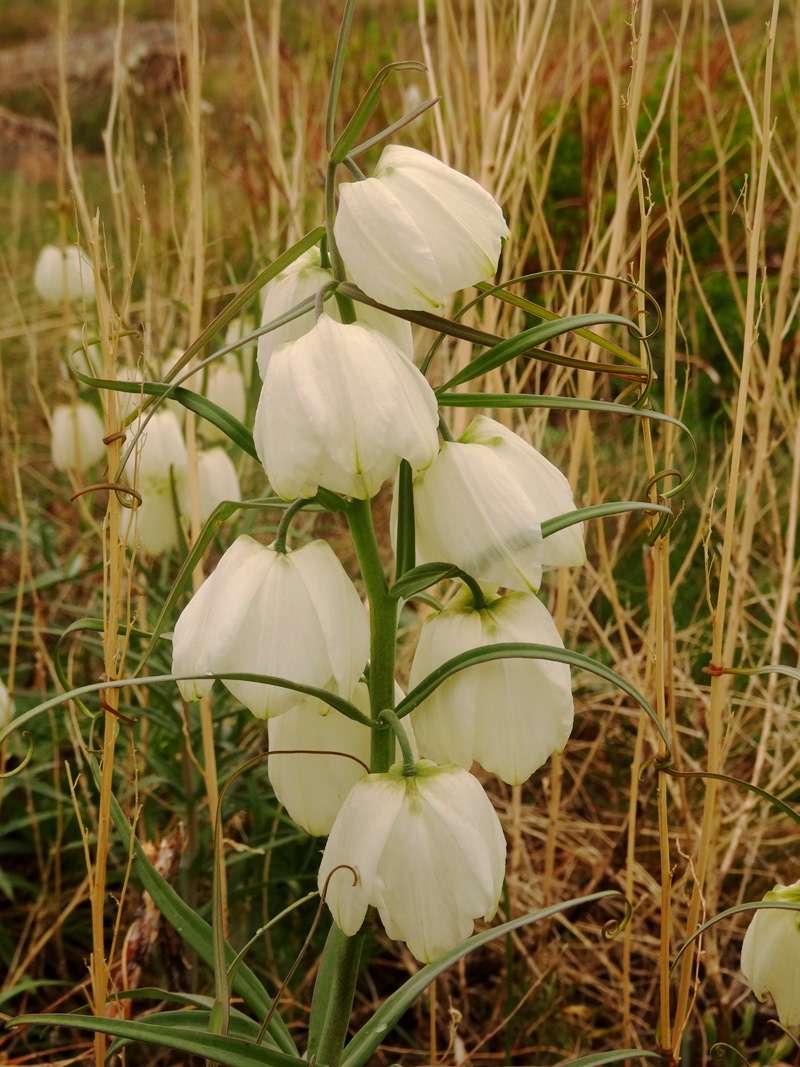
(342, 404)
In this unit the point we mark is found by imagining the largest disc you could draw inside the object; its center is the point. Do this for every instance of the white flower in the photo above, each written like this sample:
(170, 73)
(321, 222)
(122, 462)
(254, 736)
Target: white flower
(511, 714)
(298, 282)
(295, 615)
(77, 437)
(158, 462)
(217, 480)
(480, 505)
(225, 388)
(771, 954)
(428, 852)
(417, 230)
(59, 276)
(312, 788)
(6, 705)
(339, 408)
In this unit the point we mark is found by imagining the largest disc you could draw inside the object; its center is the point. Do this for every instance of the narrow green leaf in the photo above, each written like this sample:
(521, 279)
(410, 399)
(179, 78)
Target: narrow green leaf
(524, 650)
(752, 905)
(234, 430)
(323, 987)
(373, 1033)
(618, 1055)
(405, 535)
(568, 403)
(366, 108)
(419, 578)
(512, 347)
(742, 783)
(228, 1051)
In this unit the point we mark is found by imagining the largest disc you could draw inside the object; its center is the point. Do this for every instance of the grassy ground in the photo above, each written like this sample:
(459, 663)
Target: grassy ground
(659, 148)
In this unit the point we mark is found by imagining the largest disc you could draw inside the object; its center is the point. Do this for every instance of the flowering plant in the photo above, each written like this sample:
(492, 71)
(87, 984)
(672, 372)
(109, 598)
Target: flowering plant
(343, 410)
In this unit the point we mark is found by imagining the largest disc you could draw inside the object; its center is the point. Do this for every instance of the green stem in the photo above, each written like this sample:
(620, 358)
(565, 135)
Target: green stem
(383, 629)
(409, 765)
(340, 1005)
(283, 528)
(478, 599)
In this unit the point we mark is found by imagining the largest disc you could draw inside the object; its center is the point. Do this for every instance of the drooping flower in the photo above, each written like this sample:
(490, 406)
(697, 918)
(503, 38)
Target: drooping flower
(294, 615)
(417, 230)
(225, 388)
(76, 441)
(312, 788)
(771, 953)
(481, 503)
(340, 407)
(510, 714)
(302, 280)
(6, 705)
(217, 480)
(427, 851)
(158, 469)
(63, 275)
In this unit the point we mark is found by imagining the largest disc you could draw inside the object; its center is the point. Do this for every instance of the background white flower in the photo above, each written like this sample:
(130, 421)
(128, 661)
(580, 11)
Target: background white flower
(76, 440)
(66, 275)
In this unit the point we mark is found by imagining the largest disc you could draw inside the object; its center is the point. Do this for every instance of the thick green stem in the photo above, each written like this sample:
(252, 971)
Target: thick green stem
(383, 629)
(340, 1005)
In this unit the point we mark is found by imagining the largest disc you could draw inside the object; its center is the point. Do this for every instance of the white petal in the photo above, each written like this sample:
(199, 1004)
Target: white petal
(464, 225)
(469, 511)
(385, 251)
(313, 788)
(358, 838)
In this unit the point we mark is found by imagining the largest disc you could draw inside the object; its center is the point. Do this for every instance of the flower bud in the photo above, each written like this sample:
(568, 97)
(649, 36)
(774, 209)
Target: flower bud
(427, 851)
(294, 615)
(771, 954)
(417, 230)
(66, 275)
(77, 437)
(340, 407)
(511, 714)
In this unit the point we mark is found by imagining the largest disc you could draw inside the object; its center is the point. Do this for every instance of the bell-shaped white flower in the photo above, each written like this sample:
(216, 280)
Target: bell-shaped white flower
(76, 441)
(158, 469)
(340, 407)
(511, 714)
(225, 388)
(427, 851)
(771, 954)
(6, 705)
(311, 787)
(481, 504)
(294, 615)
(217, 480)
(301, 280)
(66, 275)
(417, 230)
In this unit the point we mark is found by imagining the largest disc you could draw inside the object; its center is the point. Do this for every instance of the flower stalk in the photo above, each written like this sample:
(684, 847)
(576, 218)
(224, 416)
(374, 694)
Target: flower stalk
(383, 629)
